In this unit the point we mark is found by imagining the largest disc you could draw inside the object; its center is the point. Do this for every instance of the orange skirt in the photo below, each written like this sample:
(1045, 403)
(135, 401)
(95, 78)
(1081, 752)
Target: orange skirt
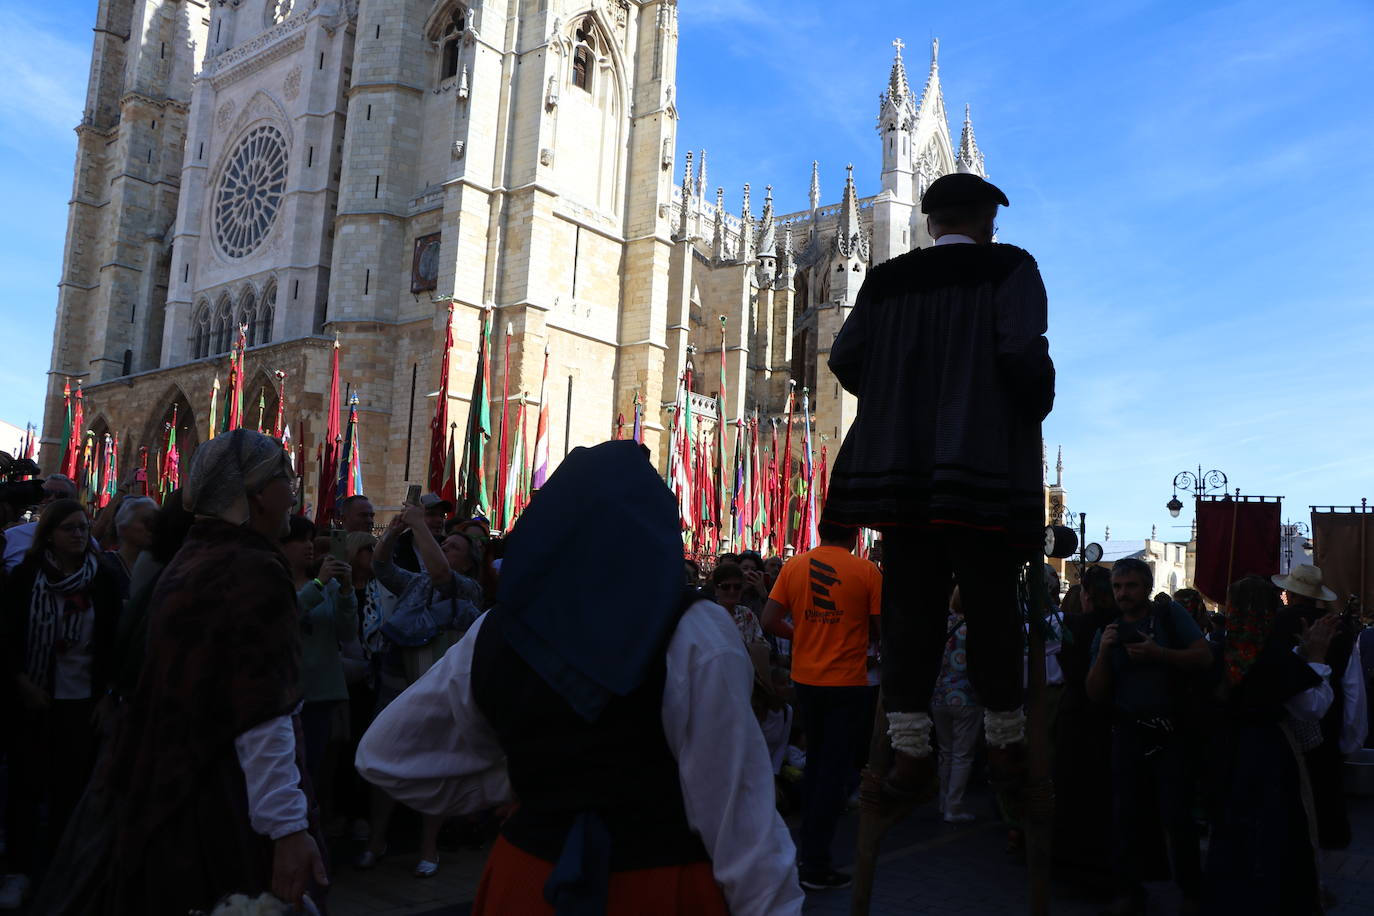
(513, 885)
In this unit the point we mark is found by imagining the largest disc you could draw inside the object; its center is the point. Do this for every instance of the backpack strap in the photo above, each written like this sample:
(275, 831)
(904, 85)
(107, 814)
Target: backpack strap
(1164, 621)
(959, 622)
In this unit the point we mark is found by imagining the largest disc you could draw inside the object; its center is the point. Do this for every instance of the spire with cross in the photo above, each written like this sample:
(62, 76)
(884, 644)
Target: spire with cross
(898, 87)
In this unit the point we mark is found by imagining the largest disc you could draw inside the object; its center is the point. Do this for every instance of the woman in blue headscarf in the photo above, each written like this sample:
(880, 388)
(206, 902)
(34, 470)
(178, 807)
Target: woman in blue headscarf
(612, 705)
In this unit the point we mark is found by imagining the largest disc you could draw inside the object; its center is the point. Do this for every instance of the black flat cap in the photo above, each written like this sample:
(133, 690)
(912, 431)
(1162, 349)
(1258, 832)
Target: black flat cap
(959, 189)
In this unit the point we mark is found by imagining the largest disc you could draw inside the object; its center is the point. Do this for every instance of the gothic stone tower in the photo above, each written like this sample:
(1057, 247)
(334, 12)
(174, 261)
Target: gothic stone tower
(129, 167)
(355, 170)
(787, 282)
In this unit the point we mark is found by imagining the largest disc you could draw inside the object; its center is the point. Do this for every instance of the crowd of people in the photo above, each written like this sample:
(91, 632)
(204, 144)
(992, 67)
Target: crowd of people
(199, 696)
(219, 661)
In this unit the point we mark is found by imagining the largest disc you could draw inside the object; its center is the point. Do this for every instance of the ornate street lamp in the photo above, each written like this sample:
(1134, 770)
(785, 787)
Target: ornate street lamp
(1199, 483)
(1292, 531)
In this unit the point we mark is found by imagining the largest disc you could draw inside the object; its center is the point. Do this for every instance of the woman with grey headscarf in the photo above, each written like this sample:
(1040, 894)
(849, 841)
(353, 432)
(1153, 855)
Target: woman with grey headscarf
(208, 769)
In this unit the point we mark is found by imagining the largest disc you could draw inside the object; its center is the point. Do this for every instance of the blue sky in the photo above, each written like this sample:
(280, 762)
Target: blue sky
(1194, 179)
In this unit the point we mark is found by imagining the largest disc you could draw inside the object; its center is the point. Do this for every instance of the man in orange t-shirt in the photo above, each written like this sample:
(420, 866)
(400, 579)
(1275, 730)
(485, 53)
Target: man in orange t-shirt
(834, 600)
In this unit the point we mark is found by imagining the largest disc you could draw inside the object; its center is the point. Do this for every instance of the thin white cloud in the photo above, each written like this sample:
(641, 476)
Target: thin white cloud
(44, 71)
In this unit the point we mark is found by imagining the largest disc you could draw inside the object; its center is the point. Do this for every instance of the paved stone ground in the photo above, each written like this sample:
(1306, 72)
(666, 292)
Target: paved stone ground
(927, 867)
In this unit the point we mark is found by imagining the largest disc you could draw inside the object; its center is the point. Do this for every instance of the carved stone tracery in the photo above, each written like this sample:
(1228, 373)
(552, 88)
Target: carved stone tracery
(291, 86)
(253, 55)
(250, 191)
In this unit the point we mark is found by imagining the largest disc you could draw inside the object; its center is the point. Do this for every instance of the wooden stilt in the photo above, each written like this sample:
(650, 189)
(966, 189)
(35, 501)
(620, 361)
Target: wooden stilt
(874, 821)
(1038, 794)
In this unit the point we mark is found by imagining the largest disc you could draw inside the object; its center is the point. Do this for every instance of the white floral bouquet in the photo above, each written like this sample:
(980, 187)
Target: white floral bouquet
(263, 905)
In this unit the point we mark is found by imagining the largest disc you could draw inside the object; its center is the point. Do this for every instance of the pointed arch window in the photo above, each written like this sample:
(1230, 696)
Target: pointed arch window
(804, 358)
(582, 77)
(200, 332)
(248, 316)
(267, 314)
(451, 43)
(584, 54)
(223, 335)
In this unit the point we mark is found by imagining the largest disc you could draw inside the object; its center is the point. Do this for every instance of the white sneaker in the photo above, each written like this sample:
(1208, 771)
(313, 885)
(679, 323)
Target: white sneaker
(14, 891)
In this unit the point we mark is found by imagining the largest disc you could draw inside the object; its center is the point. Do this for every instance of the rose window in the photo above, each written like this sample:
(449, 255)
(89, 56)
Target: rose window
(250, 192)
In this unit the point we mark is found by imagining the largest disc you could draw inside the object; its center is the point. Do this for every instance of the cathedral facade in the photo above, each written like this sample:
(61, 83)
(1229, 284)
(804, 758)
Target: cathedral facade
(368, 170)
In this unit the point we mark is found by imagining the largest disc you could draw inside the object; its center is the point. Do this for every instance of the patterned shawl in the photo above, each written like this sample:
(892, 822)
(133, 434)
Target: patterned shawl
(1248, 626)
(55, 614)
(223, 655)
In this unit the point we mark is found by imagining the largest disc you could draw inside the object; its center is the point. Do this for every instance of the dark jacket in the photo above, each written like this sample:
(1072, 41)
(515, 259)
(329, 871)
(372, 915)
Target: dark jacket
(106, 600)
(946, 353)
(223, 655)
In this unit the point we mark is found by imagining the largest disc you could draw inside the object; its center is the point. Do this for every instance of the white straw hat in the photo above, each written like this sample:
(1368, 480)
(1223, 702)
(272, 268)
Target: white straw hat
(1305, 579)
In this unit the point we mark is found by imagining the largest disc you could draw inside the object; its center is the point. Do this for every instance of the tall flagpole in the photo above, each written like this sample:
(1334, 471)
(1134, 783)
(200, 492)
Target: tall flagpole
(478, 431)
(806, 536)
(503, 461)
(512, 470)
(279, 426)
(67, 430)
(689, 453)
(522, 480)
(738, 510)
(785, 471)
(214, 410)
(724, 531)
(71, 459)
(438, 426)
(540, 472)
(141, 478)
(329, 456)
(678, 472)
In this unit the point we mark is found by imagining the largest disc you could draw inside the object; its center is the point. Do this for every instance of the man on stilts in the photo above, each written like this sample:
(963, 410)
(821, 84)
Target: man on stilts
(945, 350)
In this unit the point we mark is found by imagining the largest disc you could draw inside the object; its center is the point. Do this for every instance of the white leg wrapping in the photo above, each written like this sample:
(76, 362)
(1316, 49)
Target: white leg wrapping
(1004, 728)
(909, 732)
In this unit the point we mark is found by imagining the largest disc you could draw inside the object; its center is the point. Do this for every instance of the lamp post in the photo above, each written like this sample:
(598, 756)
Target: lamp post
(1058, 511)
(1292, 531)
(1201, 484)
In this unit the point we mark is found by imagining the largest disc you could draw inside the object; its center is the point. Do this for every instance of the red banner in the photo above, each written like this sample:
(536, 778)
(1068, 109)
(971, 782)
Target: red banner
(1235, 539)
